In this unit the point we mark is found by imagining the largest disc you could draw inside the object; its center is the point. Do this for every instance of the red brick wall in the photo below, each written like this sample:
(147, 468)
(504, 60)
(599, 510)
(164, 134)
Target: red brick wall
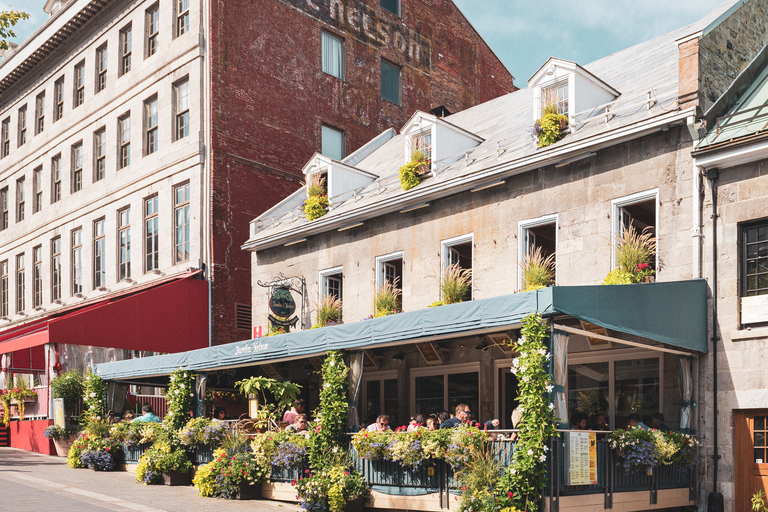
(269, 99)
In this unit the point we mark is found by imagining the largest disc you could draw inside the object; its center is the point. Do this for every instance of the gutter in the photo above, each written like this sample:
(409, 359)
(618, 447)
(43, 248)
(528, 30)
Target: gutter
(466, 182)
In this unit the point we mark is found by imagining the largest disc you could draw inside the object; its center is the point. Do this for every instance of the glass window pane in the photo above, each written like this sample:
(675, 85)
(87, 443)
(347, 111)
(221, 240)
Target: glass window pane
(463, 388)
(429, 394)
(759, 422)
(390, 82)
(588, 388)
(332, 55)
(391, 6)
(373, 400)
(759, 439)
(333, 143)
(390, 402)
(759, 456)
(637, 390)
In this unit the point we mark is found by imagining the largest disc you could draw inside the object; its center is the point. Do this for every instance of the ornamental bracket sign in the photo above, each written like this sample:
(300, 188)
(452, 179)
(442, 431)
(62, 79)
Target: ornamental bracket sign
(281, 301)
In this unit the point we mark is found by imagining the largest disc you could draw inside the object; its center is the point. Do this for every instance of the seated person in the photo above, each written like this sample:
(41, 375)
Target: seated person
(492, 424)
(432, 423)
(579, 421)
(381, 425)
(300, 425)
(657, 422)
(462, 417)
(148, 415)
(128, 416)
(635, 423)
(416, 422)
(298, 408)
(220, 413)
(600, 423)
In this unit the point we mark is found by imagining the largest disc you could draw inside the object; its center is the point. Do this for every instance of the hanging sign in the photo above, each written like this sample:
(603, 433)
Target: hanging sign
(291, 322)
(281, 302)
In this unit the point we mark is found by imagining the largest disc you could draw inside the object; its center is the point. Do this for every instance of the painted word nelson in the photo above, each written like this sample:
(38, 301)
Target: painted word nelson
(362, 21)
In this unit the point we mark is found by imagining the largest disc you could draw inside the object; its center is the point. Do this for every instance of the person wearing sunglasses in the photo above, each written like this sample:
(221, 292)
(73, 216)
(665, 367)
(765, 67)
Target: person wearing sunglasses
(463, 415)
(299, 425)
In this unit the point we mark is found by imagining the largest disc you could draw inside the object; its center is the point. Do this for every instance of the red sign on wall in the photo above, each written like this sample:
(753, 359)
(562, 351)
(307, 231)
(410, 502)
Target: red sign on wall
(257, 331)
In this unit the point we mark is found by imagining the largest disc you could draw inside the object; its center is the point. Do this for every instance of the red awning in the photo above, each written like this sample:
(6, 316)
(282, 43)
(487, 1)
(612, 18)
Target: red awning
(169, 317)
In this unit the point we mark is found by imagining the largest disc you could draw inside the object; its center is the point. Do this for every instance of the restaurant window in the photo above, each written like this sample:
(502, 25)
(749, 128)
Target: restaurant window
(77, 261)
(151, 235)
(37, 186)
(79, 85)
(556, 95)
(101, 68)
(181, 222)
(124, 140)
(22, 120)
(20, 283)
(126, 49)
(637, 212)
(443, 388)
(618, 387)
(538, 238)
(332, 141)
(457, 253)
(58, 98)
(754, 259)
(381, 397)
(99, 154)
(331, 282)
(37, 276)
(124, 243)
(56, 178)
(99, 257)
(390, 82)
(421, 144)
(56, 269)
(40, 113)
(332, 49)
(4, 289)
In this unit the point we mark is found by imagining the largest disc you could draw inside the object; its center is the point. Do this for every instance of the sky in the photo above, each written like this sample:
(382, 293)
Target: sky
(525, 33)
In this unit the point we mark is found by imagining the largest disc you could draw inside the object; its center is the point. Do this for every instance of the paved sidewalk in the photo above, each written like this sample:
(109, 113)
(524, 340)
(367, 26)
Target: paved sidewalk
(41, 482)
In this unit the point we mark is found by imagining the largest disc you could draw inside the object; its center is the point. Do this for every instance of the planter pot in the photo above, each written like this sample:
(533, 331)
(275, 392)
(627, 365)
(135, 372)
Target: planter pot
(176, 478)
(423, 170)
(563, 123)
(649, 279)
(62, 445)
(356, 505)
(248, 492)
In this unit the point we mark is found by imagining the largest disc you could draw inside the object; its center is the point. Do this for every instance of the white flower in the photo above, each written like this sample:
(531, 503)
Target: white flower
(548, 356)
(543, 351)
(551, 406)
(522, 409)
(521, 341)
(525, 379)
(549, 388)
(176, 392)
(546, 448)
(543, 458)
(514, 471)
(515, 362)
(522, 368)
(514, 370)
(530, 452)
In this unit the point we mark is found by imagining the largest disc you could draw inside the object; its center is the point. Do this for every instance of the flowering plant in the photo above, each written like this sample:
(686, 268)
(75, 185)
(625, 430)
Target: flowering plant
(316, 203)
(134, 434)
(5, 400)
(96, 447)
(222, 476)
(94, 395)
(179, 396)
(76, 450)
(100, 460)
(202, 431)
(19, 393)
(640, 450)
(326, 433)
(68, 386)
(291, 453)
(55, 432)
(329, 489)
(410, 172)
(526, 477)
(165, 455)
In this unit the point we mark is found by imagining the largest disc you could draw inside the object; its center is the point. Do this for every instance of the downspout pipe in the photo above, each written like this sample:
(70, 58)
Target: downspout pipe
(715, 501)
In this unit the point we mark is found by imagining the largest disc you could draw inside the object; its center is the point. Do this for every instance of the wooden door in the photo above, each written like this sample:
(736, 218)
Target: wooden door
(751, 455)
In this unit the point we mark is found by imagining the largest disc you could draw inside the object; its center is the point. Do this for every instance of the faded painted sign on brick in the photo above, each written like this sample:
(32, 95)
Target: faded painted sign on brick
(364, 23)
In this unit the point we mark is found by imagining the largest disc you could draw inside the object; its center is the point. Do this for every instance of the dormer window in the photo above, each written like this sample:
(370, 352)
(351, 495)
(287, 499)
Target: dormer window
(555, 96)
(421, 145)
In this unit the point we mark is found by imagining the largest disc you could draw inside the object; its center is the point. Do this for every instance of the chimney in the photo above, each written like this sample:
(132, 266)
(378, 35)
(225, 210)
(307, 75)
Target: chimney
(688, 85)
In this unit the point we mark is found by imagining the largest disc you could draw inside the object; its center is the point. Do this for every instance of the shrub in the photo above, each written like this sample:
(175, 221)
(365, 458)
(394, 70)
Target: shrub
(538, 271)
(409, 173)
(633, 249)
(315, 207)
(68, 386)
(456, 284)
(328, 310)
(387, 299)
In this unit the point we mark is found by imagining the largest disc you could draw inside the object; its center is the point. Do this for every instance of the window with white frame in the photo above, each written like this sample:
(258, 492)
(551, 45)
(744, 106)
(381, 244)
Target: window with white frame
(332, 282)
(56, 268)
(58, 98)
(181, 108)
(21, 199)
(4, 289)
(124, 140)
(4, 215)
(616, 385)
(77, 260)
(22, 120)
(638, 212)
(332, 49)
(380, 396)
(152, 29)
(124, 243)
(151, 234)
(99, 256)
(181, 222)
(5, 138)
(182, 17)
(457, 253)
(390, 82)
(389, 269)
(754, 259)
(332, 142)
(79, 85)
(435, 389)
(555, 96)
(37, 276)
(150, 126)
(101, 68)
(99, 154)
(40, 113)
(421, 145)
(37, 188)
(126, 49)
(56, 178)
(20, 283)
(537, 243)
(76, 177)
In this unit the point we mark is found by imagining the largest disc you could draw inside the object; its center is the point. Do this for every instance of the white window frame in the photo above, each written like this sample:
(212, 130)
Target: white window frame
(381, 264)
(616, 219)
(445, 247)
(323, 283)
(611, 356)
(443, 370)
(522, 240)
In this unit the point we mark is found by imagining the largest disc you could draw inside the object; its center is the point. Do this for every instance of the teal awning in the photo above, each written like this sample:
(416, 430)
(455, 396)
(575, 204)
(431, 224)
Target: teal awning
(672, 313)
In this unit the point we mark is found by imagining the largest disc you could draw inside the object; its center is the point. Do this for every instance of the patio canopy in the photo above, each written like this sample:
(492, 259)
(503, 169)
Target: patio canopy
(673, 313)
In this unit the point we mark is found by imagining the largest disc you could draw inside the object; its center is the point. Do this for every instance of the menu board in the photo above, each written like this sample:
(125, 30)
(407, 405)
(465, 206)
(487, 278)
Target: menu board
(582, 454)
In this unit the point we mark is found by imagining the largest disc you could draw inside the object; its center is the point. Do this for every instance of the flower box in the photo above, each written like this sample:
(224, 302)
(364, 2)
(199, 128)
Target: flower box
(248, 492)
(356, 505)
(176, 478)
(30, 400)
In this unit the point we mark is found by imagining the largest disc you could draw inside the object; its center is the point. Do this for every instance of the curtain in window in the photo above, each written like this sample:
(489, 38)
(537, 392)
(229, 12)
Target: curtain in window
(333, 55)
(686, 390)
(560, 362)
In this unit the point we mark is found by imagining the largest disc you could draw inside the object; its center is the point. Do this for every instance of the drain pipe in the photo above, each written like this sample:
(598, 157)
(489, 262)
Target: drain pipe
(715, 501)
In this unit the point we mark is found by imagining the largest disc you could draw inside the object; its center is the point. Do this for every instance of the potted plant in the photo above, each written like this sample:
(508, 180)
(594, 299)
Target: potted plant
(283, 392)
(635, 253)
(69, 387)
(328, 311)
(387, 299)
(335, 489)
(96, 448)
(549, 128)
(165, 462)
(412, 173)
(235, 472)
(21, 394)
(455, 285)
(316, 204)
(61, 437)
(538, 271)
